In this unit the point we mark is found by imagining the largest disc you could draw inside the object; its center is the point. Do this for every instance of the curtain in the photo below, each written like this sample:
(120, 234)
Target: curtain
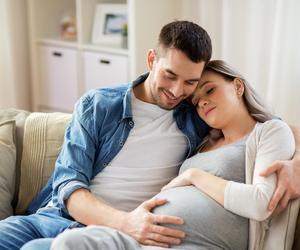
(14, 55)
(261, 39)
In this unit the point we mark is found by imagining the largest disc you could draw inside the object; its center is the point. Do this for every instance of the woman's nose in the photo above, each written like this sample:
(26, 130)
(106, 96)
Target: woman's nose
(203, 103)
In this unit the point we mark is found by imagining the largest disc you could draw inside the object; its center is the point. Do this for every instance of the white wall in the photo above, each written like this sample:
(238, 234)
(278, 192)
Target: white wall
(14, 55)
(260, 39)
(207, 13)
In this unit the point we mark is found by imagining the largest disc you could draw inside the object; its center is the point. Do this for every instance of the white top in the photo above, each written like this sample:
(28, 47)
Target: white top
(268, 142)
(149, 159)
(251, 200)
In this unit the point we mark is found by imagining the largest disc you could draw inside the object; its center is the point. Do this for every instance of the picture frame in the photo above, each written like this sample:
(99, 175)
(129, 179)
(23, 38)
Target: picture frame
(109, 21)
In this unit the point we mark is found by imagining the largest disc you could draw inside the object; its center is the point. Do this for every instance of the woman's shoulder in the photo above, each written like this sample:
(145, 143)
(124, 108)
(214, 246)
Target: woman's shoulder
(274, 131)
(273, 126)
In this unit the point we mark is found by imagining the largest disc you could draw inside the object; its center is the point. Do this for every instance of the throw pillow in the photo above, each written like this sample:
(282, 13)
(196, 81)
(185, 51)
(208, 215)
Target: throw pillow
(43, 138)
(7, 167)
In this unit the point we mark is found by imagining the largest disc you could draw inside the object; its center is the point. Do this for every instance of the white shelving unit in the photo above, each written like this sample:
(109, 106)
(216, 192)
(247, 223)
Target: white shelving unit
(62, 70)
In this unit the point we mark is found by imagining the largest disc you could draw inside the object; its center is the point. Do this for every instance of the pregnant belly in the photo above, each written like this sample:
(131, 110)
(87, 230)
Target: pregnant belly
(207, 223)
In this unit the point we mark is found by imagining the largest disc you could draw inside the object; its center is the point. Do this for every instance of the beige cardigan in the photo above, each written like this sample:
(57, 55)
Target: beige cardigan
(276, 233)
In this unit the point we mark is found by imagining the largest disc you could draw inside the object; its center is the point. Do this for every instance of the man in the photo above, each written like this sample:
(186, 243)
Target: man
(148, 127)
(122, 145)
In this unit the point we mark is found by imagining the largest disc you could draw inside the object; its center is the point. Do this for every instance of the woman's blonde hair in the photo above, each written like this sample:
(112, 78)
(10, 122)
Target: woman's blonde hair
(255, 106)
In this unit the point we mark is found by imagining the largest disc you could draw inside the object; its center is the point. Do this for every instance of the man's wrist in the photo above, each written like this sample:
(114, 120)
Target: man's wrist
(118, 220)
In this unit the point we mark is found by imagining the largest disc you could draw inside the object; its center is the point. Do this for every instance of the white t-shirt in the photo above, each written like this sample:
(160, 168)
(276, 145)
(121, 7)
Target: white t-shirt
(149, 159)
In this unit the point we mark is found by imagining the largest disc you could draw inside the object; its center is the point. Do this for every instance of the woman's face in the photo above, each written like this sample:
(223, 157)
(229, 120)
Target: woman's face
(218, 100)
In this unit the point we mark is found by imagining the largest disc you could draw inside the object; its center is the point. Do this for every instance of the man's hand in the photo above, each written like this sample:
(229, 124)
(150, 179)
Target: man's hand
(288, 185)
(145, 227)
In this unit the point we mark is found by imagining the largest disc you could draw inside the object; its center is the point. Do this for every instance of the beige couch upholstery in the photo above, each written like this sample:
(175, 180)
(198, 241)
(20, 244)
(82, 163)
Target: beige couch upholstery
(38, 139)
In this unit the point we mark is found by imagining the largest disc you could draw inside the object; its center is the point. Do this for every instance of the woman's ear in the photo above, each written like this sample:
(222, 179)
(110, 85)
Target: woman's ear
(239, 86)
(151, 57)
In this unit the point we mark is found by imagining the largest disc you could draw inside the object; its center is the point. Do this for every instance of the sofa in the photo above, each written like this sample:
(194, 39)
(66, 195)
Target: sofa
(29, 146)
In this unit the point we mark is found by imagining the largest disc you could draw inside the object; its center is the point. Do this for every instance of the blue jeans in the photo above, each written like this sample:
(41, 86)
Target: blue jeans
(38, 244)
(15, 231)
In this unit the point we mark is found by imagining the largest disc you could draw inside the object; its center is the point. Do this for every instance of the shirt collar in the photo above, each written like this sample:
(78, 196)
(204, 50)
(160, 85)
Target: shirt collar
(127, 109)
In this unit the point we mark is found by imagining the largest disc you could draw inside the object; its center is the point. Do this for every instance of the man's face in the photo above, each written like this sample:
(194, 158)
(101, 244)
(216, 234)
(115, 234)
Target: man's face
(173, 77)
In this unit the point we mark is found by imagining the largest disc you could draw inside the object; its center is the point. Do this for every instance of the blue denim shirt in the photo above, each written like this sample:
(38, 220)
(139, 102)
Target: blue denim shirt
(99, 127)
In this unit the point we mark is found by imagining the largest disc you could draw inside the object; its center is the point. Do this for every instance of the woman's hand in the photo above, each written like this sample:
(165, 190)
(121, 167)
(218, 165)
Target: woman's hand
(212, 185)
(184, 179)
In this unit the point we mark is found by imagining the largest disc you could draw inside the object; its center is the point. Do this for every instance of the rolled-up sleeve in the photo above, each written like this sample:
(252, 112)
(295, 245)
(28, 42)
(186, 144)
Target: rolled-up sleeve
(74, 166)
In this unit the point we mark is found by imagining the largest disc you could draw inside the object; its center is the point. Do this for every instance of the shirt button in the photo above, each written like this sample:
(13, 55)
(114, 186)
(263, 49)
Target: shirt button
(121, 143)
(104, 164)
(131, 123)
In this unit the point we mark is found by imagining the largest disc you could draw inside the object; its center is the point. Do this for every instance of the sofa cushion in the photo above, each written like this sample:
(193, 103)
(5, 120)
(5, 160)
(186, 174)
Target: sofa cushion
(43, 138)
(19, 116)
(281, 232)
(7, 167)
(296, 245)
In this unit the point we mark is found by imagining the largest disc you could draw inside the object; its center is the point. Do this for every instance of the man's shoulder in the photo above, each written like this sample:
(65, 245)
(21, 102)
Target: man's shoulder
(103, 96)
(100, 100)
(108, 92)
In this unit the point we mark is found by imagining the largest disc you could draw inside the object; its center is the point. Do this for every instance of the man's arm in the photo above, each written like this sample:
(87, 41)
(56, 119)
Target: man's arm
(140, 224)
(73, 173)
(288, 176)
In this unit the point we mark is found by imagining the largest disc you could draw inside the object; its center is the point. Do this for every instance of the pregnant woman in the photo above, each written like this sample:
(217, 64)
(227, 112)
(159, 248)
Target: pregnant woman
(219, 193)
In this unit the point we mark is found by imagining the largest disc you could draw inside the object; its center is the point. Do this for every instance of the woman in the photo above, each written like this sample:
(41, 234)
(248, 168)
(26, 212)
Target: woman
(243, 141)
(210, 193)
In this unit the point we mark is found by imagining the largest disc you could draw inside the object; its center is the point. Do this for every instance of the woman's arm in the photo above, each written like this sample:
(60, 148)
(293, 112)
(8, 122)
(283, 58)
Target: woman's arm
(211, 185)
(288, 175)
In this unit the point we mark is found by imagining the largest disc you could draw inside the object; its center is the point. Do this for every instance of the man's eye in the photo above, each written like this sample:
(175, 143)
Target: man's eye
(170, 77)
(192, 82)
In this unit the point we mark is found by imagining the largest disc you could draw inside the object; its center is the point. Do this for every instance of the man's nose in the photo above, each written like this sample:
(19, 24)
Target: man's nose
(177, 89)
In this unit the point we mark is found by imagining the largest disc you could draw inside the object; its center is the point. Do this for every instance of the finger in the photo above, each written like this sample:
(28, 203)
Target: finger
(168, 186)
(276, 211)
(172, 183)
(152, 203)
(168, 231)
(167, 219)
(282, 204)
(164, 239)
(285, 200)
(154, 243)
(277, 196)
(271, 169)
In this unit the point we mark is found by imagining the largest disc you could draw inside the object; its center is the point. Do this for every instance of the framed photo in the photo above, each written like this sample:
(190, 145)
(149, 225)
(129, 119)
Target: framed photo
(109, 22)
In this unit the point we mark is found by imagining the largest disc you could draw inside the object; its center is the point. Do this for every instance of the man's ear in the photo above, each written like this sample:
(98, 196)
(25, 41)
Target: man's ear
(151, 57)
